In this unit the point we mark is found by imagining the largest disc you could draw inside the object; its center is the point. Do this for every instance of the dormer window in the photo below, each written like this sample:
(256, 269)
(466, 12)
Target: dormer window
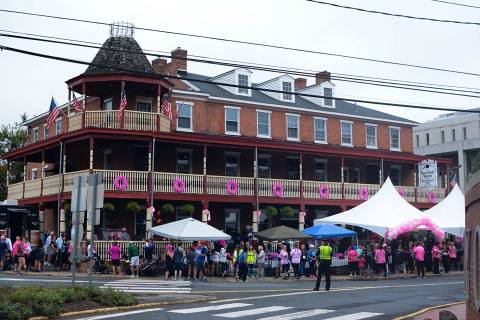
(243, 81)
(328, 94)
(287, 87)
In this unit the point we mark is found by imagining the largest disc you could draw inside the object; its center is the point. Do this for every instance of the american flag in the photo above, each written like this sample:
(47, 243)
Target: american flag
(167, 104)
(53, 113)
(123, 104)
(453, 183)
(77, 106)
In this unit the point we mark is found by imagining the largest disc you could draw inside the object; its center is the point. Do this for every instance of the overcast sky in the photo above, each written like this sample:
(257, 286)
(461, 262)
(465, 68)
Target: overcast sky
(27, 83)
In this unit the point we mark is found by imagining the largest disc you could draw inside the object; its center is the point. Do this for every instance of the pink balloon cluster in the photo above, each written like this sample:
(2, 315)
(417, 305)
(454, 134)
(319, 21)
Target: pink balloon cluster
(413, 225)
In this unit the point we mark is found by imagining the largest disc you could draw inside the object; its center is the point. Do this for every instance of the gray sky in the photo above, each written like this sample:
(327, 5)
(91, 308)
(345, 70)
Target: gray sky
(27, 83)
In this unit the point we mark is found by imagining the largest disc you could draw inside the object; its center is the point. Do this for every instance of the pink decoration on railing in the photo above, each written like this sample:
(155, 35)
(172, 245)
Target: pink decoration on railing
(120, 183)
(363, 193)
(259, 213)
(413, 225)
(324, 191)
(277, 189)
(303, 213)
(232, 187)
(432, 197)
(207, 213)
(178, 185)
(402, 192)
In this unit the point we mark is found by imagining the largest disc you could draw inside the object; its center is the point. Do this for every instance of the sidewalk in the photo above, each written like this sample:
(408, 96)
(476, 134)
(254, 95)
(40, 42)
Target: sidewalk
(459, 309)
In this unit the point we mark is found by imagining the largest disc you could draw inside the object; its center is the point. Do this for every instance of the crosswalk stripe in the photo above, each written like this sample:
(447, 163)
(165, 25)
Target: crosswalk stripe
(251, 312)
(211, 308)
(114, 315)
(159, 287)
(143, 288)
(355, 316)
(152, 291)
(298, 315)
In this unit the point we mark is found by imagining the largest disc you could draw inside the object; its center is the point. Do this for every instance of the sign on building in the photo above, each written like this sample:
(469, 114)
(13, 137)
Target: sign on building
(427, 174)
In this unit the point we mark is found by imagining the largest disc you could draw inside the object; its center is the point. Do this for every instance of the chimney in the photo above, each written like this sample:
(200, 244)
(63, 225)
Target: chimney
(321, 77)
(159, 65)
(300, 83)
(179, 59)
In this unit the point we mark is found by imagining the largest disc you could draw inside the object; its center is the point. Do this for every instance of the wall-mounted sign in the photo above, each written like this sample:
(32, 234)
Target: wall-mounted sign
(427, 174)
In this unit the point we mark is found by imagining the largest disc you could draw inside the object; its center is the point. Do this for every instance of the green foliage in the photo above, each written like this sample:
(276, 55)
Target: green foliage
(167, 208)
(67, 207)
(116, 298)
(187, 209)
(108, 206)
(286, 212)
(133, 207)
(271, 212)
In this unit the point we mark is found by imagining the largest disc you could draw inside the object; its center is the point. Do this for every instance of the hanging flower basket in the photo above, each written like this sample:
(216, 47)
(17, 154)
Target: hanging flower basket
(363, 193)
(120, 183)
(232, 187)
(277, 189)
(324, 191)
(432, 198)
(402, 192)
(179, 185)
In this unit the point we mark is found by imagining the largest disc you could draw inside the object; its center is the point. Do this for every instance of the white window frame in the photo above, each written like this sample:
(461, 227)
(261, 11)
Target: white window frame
(233, 133)
(105, 101)
(351, 133)
(269, 136)
(399, 138)
(235, 154)
(191, 116)
(35, 134)
(315, 130)
(45, 133)
(237, 82)
(292, 86)
(58, 129)
(325, 162)
(417, 140)
(287, 115)
(34, 170)
(376, 135)
(144, 100)
(190, 164)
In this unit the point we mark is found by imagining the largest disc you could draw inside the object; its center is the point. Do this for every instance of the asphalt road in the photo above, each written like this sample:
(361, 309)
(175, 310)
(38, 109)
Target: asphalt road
(281, 300)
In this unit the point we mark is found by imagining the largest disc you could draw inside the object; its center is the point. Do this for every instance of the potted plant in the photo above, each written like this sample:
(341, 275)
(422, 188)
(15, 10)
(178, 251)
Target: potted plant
(286, 212)
(270, 212)
(107, 208)
(167, 208)
(187, 209)
(133, 207)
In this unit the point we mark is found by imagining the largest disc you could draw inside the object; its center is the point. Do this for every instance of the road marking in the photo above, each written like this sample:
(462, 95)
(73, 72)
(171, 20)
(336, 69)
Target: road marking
(158, 287)
(298, 315)
(250, 312)
(356, 316)
(119, 287)
(120, 314)
(211, 308)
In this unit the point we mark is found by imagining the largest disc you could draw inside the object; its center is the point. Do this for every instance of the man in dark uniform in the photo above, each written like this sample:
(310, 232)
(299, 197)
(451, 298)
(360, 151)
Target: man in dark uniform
(324, 254)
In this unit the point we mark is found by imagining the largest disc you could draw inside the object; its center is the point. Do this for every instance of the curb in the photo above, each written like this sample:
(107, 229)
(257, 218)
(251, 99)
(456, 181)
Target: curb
(416, 313)
(125, 308)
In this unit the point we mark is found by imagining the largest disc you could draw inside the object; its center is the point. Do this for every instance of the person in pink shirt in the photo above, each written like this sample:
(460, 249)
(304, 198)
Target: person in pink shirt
(115, 253)
(284, 262)
(380, 260)
(15, 253)
(296, 255)
(452, 253)
(419, 252)
(352, 261)
(436, 258)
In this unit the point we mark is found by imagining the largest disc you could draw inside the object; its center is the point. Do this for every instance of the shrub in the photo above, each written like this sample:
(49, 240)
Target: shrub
(271, 211)
(108, 206)
(187, 209)
(133, 206)
(14, 311)
(167, 208)
(286, 212)
(116, 298)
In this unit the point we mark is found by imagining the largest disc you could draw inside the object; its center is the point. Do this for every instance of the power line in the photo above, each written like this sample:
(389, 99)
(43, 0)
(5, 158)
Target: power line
(388, 84)
(265, 45)
(457, 4)
(162, 76)
(393, 14)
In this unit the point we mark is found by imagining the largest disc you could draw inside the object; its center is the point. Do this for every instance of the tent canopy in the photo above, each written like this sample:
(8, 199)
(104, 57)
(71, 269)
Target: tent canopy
(386, 209)
(329, 231)
(449, 214)
(281, 233)
(189, 229)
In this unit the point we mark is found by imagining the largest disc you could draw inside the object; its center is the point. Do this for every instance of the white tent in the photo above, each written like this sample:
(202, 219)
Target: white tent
(449, 214)
(189, 230)
(386, 209)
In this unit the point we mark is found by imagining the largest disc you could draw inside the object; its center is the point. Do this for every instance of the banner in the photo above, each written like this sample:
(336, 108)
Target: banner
(427, 174)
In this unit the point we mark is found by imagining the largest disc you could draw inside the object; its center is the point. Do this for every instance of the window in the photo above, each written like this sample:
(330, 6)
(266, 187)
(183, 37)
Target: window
(293, 168)
(58, 126)
(346, 133)
(395, 138)
(34, 174)
(184, 161)
(263, 124)
(184, 120)
(395, 174)
(371, 131)
(264, 166)
(35, 134)
(292, 127)
(108, 104)
(144, 105)
(464, 133)
(107, 159)
(417, 138)
(232, 120)
(320, 170)
(45, 133)
(287, 87)
(141, 158)
(453, 135)
(140, 223)
(427, 138)
(320, 130)
(328, 94)
(232, 221)
(443, 136)
(356, 175)
(243, 81)
(232, 164)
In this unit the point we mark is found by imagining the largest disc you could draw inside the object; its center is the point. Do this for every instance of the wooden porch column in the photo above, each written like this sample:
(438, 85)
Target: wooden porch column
(24, 175)
(343, 177)
(301, 174)
(415, 184)
(255, 213)
(8, 172)
(63, 224)
(381, 171)
(159, 92)
(41, 217)
(69, 98)
(205, 169)
(148, 220)
(84, 102)
(301, 217)
(122, 119)
(42, 172)
(205, 212)
(90, 167)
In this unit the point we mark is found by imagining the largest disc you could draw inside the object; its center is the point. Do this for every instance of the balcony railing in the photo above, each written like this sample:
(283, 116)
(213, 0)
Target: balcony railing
(179, 183)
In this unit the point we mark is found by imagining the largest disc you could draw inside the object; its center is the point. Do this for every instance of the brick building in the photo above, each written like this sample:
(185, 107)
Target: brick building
(231, 153)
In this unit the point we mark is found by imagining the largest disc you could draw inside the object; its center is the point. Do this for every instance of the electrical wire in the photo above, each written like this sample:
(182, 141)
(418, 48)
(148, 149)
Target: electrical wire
(457, 4)
(265, 45)
(428, 89)
(167, 76)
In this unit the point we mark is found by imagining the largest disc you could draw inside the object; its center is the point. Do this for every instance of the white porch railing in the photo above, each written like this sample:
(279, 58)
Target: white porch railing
(142, 121)
(15, 191)
(311, 190)
(68, 179)
(51, 184)
(220, 184)
(135, 180)
(32, 188)
(74, 122)
(102, 119)
(353, 190)
(408, 193)
(430, 195)
(164, 182)
(291, 188)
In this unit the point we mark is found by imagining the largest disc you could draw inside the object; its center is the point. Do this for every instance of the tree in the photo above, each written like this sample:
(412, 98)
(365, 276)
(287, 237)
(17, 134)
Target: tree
(187, 209)
(286, 212)
(11, 137)
(271, 212)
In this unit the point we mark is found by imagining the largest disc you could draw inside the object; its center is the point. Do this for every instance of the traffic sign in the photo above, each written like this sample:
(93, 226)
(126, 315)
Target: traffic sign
(77, 235)
(79, 194)
(95, 192)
